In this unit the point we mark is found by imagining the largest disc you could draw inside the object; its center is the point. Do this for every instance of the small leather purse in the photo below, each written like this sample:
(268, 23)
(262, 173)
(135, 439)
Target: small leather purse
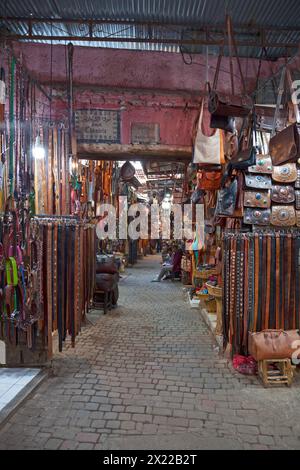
(297, 199)
(260, 199)
(257, 216)
(285, 173)
(282, 216)
(263, 165)
(283, 194)
(258, 181)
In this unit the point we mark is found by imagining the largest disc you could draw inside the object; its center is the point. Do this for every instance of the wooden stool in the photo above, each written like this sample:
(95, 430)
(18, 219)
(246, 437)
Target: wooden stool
(282, 375)
(106, 303)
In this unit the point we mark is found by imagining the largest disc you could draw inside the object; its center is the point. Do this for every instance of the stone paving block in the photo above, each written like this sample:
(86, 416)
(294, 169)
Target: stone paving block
(53, 444)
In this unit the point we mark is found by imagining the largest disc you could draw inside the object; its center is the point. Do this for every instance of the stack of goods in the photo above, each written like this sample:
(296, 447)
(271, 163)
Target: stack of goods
(261, 284)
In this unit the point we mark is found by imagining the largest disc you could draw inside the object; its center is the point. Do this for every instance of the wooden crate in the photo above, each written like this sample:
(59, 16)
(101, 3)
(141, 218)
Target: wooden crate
(281, 374)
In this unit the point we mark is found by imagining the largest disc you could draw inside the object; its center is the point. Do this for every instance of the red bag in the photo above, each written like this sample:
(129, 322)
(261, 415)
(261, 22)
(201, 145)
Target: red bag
(245, 364)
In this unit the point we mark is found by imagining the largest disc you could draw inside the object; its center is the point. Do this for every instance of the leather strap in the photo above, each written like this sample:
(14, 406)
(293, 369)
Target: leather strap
(11, 270)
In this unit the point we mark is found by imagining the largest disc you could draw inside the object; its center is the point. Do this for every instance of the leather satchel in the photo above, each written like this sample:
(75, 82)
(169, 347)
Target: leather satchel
(263, 164)
(284, 146)
(260, 199)
(283, 216)
(285, 173)
(257, 216)
(283, 194)
(258, 181)
(209, 180)
(227, 199)
(297, 198)
(273, 344)
(227, 123)
(297, 182)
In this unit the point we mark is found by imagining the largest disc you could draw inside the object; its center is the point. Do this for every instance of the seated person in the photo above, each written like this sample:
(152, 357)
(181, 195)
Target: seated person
(171, 266)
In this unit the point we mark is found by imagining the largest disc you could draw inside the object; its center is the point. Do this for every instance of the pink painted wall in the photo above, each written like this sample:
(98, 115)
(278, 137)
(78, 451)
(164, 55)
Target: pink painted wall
(173, 102)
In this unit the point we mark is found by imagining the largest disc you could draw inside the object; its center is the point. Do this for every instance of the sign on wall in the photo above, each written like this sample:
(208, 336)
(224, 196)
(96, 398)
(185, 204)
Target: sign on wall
(96, 126)
(144, 133)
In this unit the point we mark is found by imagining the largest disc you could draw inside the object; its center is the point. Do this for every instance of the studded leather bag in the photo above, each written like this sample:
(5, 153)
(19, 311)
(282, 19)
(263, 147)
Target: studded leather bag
(257, 216)
(283, 194)
(258, 181)
(284, 146)
(260, 199)
(263, 165)
(285, 173)
(283, 216)
(298, 218)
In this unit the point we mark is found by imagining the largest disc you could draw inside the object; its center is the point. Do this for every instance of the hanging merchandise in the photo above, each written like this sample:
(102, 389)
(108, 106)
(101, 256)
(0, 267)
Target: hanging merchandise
(127, 171)
(261, 284)
(209, 180)
(208, 149)
(225, 105)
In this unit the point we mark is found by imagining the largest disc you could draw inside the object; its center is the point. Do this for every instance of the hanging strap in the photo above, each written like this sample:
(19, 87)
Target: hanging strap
(279, 98)
(11, 270)
(12, 125)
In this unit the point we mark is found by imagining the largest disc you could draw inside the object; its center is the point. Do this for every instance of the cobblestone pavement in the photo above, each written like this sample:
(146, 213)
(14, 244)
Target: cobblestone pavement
(147, 375)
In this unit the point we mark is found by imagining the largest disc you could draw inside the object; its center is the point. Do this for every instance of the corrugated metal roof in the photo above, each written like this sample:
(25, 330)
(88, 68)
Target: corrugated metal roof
(187, 14)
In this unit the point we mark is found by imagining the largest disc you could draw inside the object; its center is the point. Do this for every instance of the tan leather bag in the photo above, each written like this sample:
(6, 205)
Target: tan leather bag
(257, 199)
(273, 344)
(283, 216)
(263, 165)
(285, 173)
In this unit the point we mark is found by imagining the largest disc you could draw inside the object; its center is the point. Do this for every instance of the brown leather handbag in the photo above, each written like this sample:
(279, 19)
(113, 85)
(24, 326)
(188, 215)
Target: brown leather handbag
(209, 180)
(285, 146)
(283, 194)
(263, 165)
(283, 216)
(298, 218)
(222, 104)
(260, 199)
(273, 344)
(285, 173)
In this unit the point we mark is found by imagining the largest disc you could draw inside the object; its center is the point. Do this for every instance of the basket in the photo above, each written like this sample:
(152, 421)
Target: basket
(215, 291)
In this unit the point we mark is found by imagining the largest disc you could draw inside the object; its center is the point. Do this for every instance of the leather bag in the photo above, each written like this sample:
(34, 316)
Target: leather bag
(209, 180)
(208, 149)
(257, 216)
(298, 218)
(260, 199)
(222, 104)
(283, 194)
(246, 157)
(127, 171)
(273, 344)
(227, 199)
(263, 165)
(258, 181)
(197, 196)
(284, 146)
(285, 173)
(283, 216)
(227, 123)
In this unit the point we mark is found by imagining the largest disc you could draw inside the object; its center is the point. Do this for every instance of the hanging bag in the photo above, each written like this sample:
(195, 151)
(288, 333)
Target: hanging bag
(208, 149)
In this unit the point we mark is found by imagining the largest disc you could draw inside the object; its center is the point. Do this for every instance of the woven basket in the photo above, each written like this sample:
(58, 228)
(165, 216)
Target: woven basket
(216, 291)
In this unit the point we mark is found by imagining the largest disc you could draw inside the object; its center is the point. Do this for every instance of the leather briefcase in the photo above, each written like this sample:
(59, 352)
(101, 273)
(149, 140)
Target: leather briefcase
(263, 164)
(257, 216)
(227, 199)
(285, 173)
(283, 216)
(283, 194)
(297, 198)
(284, 146)
(260, 199)
(273, 344)
(258, 181)
(297, 182)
